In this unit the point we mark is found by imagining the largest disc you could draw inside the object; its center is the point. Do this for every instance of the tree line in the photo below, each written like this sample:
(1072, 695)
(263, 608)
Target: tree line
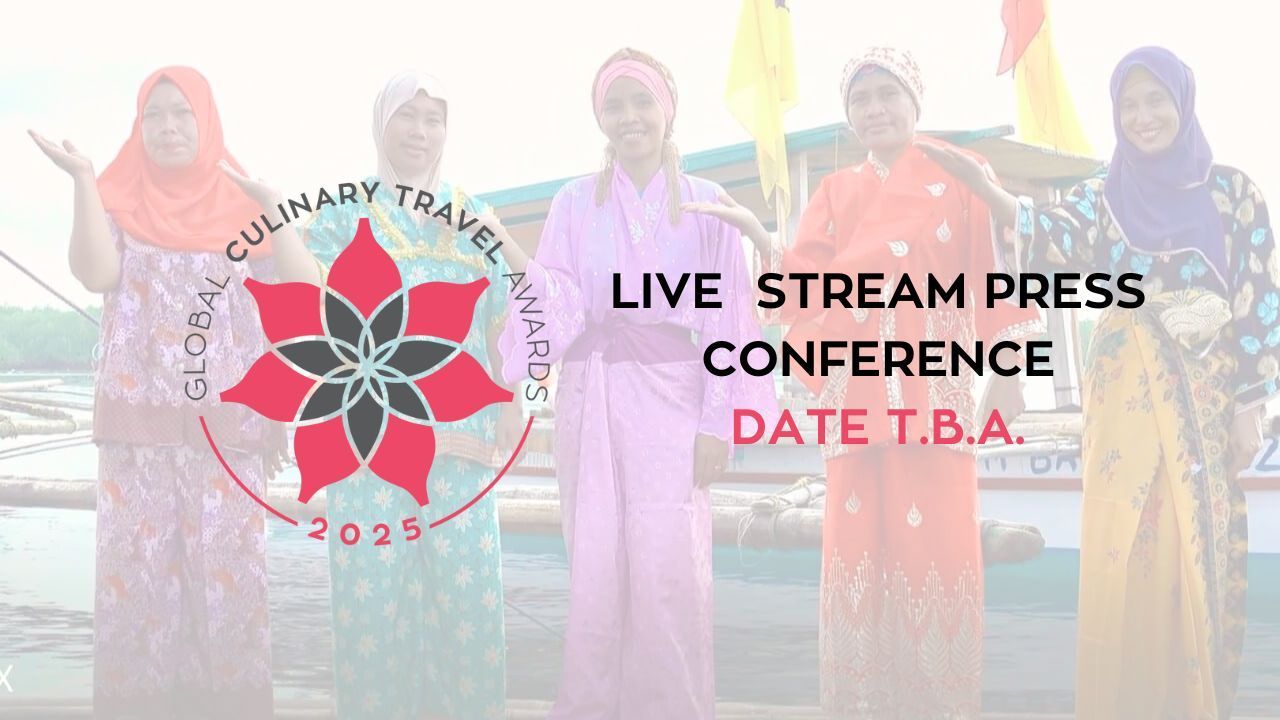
(40, 339)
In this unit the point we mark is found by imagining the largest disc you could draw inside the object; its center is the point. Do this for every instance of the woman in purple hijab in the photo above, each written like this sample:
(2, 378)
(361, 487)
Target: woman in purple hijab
(1174, 397)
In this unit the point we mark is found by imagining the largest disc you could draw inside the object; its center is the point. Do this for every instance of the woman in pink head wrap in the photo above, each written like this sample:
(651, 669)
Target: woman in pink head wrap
(641, 427)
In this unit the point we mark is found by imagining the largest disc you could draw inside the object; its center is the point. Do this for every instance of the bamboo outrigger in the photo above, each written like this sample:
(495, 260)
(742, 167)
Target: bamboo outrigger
(751, 520)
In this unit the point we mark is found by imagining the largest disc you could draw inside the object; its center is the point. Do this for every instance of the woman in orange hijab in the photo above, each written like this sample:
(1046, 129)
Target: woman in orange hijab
(180, 611)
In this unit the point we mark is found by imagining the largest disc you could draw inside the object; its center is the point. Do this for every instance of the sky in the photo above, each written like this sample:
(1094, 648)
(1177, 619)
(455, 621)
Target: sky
(295, 83)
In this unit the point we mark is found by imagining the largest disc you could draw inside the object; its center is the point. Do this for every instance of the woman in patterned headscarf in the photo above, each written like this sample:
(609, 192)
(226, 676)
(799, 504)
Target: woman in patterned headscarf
(901, 599)
(641, 427)
(1174, 396)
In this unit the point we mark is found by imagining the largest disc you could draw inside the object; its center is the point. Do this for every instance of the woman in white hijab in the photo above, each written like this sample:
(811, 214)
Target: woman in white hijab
(417, 610)
(406, 157)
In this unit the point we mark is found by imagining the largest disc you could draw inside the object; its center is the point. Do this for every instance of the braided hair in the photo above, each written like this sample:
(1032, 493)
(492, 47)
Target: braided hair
(670, 155)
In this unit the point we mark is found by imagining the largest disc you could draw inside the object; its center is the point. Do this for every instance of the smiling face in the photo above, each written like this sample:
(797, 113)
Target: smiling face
(633, 121)
(881, 111)
(1148, 115)
(169, 132)
(415, 136)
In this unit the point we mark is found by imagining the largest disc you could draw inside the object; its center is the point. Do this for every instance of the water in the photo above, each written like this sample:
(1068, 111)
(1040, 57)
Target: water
(766, 612)
(766, 619)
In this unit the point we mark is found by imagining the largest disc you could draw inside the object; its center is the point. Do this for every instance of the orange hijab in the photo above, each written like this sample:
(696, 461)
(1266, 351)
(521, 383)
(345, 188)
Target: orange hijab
(196, 208)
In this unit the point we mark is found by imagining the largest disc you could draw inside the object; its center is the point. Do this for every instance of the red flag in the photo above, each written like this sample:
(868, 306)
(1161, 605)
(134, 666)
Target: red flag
(1022, 20)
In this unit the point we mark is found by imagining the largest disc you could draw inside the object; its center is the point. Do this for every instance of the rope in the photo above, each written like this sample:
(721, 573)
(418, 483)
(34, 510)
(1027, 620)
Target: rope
(46, 286)
(773, 506)
(550, 630)
(744, 524)
(53, 441)
(13, 452)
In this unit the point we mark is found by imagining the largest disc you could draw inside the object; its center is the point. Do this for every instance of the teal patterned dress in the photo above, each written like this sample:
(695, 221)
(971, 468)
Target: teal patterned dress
(418, 625)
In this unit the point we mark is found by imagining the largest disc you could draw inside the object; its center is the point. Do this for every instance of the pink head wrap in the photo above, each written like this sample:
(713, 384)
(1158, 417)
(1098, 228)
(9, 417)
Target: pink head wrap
(641, 72)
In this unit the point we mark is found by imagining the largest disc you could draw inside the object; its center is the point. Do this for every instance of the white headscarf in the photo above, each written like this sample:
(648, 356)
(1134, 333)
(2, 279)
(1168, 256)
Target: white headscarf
(399, 90)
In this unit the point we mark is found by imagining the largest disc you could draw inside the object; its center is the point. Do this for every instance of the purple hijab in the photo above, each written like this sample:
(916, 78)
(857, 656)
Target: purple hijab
(1161, 202)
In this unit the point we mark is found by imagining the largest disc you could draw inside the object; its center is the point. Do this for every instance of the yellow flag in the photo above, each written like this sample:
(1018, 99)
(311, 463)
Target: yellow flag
(762, 86)
(1046, 115)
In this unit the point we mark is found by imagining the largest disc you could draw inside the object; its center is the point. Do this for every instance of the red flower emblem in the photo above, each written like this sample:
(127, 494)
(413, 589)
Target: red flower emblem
(364, 368)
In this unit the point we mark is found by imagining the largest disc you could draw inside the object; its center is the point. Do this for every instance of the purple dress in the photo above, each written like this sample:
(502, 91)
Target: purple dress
(631, 398)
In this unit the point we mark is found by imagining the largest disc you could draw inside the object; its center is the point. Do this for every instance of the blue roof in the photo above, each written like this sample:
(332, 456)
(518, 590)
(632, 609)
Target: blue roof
(732, 154)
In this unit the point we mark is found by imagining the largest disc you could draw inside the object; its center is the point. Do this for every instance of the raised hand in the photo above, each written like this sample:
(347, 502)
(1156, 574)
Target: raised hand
(728, 210)
(258, 190)
(65, 156)
(511, 251)
(968, 171)
(494, 223)
(960, 166)
(95, 259)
